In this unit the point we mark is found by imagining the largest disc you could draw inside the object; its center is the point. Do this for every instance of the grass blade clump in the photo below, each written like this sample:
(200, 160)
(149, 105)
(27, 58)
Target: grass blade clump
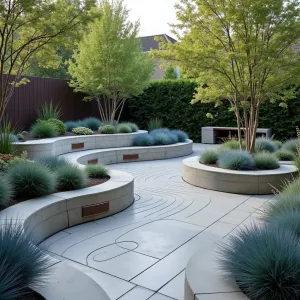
(265, 161)
(49, 111)
(7, 138)
(160, 130)
(264, 261)
(70, 178)
(161, 138)
(124, 128)
(133, 126)
(43, 129)
(107, 129)
(143, 140)
(181, 135)
(96, 171)
(173, 138)
(60, 126)
(154, 123)
(92, 123)
(285, 155)
(52, 162)
(22, 264)
(209, 157)
(235, 160)
(265, 145)
(70, 125)
(6, 190)
(291, 145)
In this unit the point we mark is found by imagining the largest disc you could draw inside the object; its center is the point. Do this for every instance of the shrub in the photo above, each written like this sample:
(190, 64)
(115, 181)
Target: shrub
(285, 155)
(291, 145)
(265, 161)
(60, 126)
(209, 157)
(96, 171)
(6, 190)
(173, 138)
(235, 160)
(263, 144)
(181, 135)
(44, 129)
(134, 127)
(154, 123)
(143, 140)
(161, 139)
(70, 125)
(123, 128)
(31, 180)
(264, 261)
(23, 265)
(289, 220)
(82, 131)
(92, 123)
(52, 162)
(70, 178)
(49, 111)
(107, 129)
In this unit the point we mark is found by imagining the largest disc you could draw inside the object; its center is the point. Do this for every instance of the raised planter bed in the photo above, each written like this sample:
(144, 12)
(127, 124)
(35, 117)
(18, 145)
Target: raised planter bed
(129, 154)
(237, 182)
(204, 280)
(65, 144)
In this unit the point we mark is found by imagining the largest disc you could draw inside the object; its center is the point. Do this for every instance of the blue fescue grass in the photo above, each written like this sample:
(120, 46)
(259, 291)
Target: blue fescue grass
(235, 160)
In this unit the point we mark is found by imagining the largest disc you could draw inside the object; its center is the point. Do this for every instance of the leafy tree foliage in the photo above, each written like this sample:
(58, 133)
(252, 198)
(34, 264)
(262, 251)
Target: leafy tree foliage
(170, 73)
(109, 64)
(240, 51)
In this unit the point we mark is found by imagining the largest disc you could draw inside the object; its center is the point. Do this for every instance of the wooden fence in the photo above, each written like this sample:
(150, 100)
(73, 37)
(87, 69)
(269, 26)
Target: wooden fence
(26, 99)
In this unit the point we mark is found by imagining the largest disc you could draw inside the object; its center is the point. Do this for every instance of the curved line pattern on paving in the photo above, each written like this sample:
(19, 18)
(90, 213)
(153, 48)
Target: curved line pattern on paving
(169, 221)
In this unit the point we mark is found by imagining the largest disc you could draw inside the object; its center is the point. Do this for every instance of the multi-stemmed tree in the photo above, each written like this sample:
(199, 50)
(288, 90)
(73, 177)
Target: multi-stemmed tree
(109, 66)
(241, 51)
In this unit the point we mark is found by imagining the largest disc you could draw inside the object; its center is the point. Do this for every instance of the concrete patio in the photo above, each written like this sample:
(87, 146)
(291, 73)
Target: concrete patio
(142, 252)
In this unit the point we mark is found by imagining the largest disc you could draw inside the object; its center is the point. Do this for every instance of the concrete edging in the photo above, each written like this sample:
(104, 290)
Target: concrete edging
(130, 154)
(236, 182)
(65, 144)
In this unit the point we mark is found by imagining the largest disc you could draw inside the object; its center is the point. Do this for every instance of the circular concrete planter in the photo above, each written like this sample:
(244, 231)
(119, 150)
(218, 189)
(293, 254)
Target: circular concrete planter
(236, 182)
(204, 280)
(129, 154)
(65, 144)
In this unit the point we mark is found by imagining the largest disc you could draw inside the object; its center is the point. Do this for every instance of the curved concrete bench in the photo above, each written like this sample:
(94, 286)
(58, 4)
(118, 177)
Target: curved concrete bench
(129, 154)
(204, 280)
(236, 182)
(65, 144)
(68, 283)
(44, 216)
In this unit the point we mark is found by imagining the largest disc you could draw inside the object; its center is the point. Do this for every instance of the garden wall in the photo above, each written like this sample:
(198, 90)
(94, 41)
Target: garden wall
(170, 101)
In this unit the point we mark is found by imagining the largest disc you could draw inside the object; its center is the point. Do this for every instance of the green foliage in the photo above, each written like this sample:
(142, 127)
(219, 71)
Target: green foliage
(49, 111)
(70, 125)
(133, 126)
(6, 190)
(263, 144)
(128, 69)
(123, 128)
(232, 145)
(82, 131)
(277, 143)
(235, 160)
(289, 220)
(285, 155)
(31, 180)
(143, 140)
(52, 162)
(209, 157)
(96, 171)
(291, 145)
(161, 138)
(297, 162)
(43, 129)
(107, 129)
(6, 138)
(155, 123)
(23, 265)
(265, 261)
(61, 128)
(20, 137)
(265, 161)
(91, 123)
(170, 73)
(70, 178)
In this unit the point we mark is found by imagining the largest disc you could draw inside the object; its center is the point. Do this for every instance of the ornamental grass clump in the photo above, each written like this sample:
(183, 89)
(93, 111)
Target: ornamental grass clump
(92, 123)
(31, 180)
(70, 178)
(264, 145)
(285, 155)
(209, 157)
(124, 128)
(173, 138)
(133, 126)
(23, 265)
(143, 140)
(264, 261)
(291, 145)
(107, 129)
(154, 123)
(161, 138)
(82, 131)
(44, 129)
(231, 145)
(265, 161)
(181, 135)
(6, 190)
(49, 111)
(52, 162)
(160, 130)
(96, 171)
(70, 125)
(235, 160)
(60, 126)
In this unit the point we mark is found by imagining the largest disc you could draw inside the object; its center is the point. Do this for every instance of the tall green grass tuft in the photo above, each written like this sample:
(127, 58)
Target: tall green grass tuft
(155, 123)
(7, 138)
(49, 111)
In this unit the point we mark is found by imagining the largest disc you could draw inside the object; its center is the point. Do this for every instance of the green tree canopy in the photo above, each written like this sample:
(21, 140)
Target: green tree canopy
(170, 73)
(239, 50)
(109, 64)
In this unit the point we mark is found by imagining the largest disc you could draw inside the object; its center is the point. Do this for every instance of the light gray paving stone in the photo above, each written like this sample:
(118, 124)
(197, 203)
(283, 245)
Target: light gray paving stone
(175, 288)
(222, 296)
(137, 293)
(160, 297)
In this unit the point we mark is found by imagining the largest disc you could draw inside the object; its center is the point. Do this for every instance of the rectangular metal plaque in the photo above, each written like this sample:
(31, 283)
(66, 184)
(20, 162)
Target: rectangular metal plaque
(130, 156)
(92, 161)
(95, 209)
(77, 146)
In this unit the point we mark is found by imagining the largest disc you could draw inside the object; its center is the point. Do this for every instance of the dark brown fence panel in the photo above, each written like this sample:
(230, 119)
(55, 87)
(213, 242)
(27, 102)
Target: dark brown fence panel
(26, 99)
